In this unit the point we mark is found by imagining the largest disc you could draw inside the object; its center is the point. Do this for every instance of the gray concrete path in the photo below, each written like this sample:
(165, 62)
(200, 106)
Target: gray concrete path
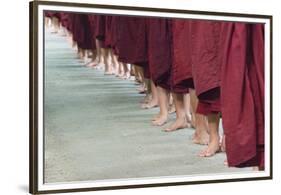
(95, 129)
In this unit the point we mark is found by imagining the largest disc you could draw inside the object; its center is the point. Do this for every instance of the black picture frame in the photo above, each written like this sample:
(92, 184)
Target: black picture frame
(33, 94)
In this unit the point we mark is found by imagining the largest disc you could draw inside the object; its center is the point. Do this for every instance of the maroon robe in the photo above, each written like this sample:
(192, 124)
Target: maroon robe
(113, 33)
(52, 14)
(48, 14)
(242, 94)
(131, 40)
(108, 31)
(64, 19)
(181, 72)
(100, 29)
(70, 22)
(81, 31)
(206, 58)
(92, 26)
(209, 107)
(159, 50)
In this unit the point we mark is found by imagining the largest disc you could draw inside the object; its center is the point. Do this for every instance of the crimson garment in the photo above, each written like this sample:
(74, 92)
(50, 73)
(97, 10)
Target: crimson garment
(181, 72)
(242, 94)
(48, 14)
(131, 40)
(112, 41)
(64, 19)
(52, 14)
(206, 57)
(209, 107)
(108, 31)
(100, 29)
(92, 26)
(159, 50)
(81, 31)
(70, 22)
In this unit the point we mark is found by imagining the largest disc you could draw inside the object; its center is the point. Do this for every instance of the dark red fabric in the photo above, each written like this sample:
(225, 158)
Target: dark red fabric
(131, 40)
(242, 93)
(92, 26)
(206, 56)
(108, 31)
(64, 19)
(159, 50)
(146, 71)
(100, 28)
(81, 31)
(48, 14)
(181, 72)
(70, 22)
(208, 107)
(52, 14)
(114, 32)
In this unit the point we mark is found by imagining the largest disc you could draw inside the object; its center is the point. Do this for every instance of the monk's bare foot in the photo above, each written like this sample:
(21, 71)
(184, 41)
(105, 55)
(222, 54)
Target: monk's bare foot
(161, 120)
(180, 123)
(155, 117)
(108, 72)
(100, 66)
(126, 76)
(201, 137)
(172, 109)
(149, 105)
(211, 149)
(137, 81)
(92, 64)
(132, 78)
(142, 89)
(146, 99)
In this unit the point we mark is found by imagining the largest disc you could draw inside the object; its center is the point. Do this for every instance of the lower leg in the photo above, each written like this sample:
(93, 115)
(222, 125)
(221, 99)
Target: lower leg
(154, 97)
(214, 140)
(198, 121)
(143, 87)
(187, 107)
(181, 121)
(93, 58)
(163, 104)
(107, 65)
(172, 107)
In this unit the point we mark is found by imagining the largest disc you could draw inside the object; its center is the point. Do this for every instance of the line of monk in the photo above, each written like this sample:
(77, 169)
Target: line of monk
(206, 70)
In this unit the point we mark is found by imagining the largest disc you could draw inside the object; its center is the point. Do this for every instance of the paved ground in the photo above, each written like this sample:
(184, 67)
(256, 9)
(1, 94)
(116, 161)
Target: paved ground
(94, 128)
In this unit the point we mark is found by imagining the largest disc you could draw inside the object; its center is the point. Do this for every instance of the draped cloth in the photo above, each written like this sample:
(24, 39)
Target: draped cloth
(159, 50)
(181, 71)
(81, 31)
(100, 29)
(242, 94)
(132, 40)
(64, 17)
(206, 58)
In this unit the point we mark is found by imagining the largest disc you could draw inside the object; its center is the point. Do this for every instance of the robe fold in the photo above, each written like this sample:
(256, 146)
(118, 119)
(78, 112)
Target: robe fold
(159, 50)
(100, 29)
(242, 94)
(64, 19)
(92, 26)
(131, 40)
(108, 31)
(181, 71)
(81, 31)
(206, 57)
(209, 107)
